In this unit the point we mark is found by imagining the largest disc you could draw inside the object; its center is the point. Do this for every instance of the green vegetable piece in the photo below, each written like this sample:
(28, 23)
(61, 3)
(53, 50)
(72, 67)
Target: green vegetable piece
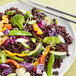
(31, 22)
(48, 20)
(3, 58)
(25, 45)
(25, 52)
(18, 20)
(12, 74)
(37, 50)
(19, 33)
(50, 65)
(12, 57)
(33, 40)
(59, 55)
(28, 15)
(52, 40)
(10, 13)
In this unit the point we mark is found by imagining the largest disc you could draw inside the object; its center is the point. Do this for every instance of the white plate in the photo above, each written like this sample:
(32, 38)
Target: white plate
(69, 60)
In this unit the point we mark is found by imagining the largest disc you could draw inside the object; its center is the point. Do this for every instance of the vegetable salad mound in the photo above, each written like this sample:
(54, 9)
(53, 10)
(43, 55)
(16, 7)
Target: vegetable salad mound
(31, 43)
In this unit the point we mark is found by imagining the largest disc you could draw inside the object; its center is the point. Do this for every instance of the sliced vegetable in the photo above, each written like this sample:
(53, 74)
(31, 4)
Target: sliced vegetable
(27, 65)
(13, 62)
(3, 29)
(6, 72)
(37, 29)
(50, 65)
(12, 57)
(36, 51)
(25, 45)
(40, 68)
(24, 52)
(61, 38)
(4, 65)
(6, 32)
(12, 74)
(1, 34)
(10, 12)
(14, 54)
(5, 19)
(33, 40)
(52, 40)
(45, 53)
(3, 58)
(1, 25)
(18, 20)
(52, 32)
(48, 20)
(44, 74)
(3, 39)
(8, 26)
(21, 40)
(31, 22)
(42, 23)
(28, 15)
(21, 71)
(19, 33)
(59, 55)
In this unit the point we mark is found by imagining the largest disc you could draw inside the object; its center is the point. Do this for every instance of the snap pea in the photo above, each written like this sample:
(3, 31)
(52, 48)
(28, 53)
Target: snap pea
(50, 65)
(19, 33)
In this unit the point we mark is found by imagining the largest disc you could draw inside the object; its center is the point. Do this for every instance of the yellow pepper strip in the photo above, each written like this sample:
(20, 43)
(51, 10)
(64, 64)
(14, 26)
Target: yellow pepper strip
(1, 25)
(5, 19)
(3, 39)
(15, 54)
(37, 29)
(3, 29)
(36, 63)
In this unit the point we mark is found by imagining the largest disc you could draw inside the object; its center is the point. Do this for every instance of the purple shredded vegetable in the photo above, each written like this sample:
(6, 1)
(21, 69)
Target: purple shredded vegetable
(52, 32)
(6, 72)
(4, 65)
(40, 68)
(6, 32)
(42, 23)
(27, 65)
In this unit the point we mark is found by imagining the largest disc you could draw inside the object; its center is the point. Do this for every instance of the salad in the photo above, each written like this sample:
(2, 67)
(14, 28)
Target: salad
(31, 43)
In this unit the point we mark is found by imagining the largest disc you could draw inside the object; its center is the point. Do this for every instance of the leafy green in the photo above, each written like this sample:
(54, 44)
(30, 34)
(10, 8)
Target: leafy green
(18, 20)
(52, 40)
(10, 12)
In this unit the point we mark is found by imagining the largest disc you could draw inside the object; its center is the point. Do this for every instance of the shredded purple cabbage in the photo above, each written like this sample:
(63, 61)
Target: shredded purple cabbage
(42, 23)
(52, 32)
(4, 65)
(40, 68)
(6, 32)
(6, 72)
(27, 65)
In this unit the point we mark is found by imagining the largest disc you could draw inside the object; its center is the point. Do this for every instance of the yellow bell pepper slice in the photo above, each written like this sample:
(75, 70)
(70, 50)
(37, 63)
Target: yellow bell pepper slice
(15, 54)
(5, 19)
(1, 25)
(3, 29)
(3, 39)
(37, 29)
